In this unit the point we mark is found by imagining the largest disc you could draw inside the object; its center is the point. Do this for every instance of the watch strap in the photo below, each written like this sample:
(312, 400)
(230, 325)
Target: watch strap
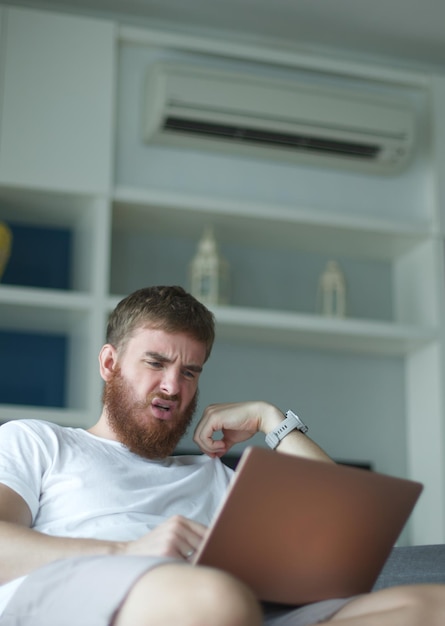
(292, 422)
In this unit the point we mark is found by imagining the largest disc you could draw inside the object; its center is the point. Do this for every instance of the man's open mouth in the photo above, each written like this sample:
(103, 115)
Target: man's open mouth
(162, 409)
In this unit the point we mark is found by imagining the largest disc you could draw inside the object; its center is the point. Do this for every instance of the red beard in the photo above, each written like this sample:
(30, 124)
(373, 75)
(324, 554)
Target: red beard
(156, 441)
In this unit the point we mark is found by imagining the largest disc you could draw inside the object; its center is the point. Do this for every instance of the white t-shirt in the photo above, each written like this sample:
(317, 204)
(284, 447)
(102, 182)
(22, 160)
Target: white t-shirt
(80, 485)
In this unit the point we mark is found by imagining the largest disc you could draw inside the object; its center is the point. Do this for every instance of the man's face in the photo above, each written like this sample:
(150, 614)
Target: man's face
(151, 394)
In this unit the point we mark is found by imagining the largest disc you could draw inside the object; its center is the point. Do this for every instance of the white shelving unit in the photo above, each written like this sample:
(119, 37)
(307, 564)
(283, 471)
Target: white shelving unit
(300, 229)
(67, 182)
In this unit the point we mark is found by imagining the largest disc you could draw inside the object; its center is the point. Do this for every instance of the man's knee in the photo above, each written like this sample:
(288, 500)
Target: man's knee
(193, 596)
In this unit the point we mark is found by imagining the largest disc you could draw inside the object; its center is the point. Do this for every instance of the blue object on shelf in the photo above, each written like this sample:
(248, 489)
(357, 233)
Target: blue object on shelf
(32, 369)
(40, 257)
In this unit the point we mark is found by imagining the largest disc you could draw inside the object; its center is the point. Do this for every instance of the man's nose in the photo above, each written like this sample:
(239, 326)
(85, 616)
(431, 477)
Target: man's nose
(170, 382)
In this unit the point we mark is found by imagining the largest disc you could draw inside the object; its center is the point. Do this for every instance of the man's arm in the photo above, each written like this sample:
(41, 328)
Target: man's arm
(23, 549)
(240, 421)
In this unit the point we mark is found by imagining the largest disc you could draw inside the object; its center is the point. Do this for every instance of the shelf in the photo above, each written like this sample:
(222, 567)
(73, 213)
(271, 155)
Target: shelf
(320, 333)
(42, 310)
(295, 330)
(307, 229)
(65, 417)
(44, 207)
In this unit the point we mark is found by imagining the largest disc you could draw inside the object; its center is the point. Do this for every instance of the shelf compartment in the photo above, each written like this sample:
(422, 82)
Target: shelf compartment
(74, 215)
(51, 313)
(276, 254)
(306, 229)
(41, 257)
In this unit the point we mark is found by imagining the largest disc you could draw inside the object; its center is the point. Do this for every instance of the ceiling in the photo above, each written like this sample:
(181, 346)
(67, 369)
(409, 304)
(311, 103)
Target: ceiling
(408, 33)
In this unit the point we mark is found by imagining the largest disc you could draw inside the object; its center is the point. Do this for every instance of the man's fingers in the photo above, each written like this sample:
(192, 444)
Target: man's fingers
(174, 537)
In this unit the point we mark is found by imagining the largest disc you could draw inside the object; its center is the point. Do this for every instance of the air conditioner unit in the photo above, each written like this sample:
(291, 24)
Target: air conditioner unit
(201, 108)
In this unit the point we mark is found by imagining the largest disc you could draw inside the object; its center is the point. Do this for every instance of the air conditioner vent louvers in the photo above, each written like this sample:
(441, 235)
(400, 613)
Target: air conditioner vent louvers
(270, 138)
(207, 108)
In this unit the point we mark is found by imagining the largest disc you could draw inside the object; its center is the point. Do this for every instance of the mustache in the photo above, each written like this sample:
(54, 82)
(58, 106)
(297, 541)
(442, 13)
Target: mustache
(145, 404)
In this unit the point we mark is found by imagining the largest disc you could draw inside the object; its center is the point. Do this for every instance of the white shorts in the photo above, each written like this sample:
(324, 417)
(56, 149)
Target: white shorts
(88, 591)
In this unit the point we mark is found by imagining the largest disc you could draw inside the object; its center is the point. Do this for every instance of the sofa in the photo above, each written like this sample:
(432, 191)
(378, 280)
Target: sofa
(413, 564)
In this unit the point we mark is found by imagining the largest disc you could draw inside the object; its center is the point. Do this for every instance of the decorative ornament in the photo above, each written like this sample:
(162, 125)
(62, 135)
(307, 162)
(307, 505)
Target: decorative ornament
(5, 246)
(209, 272)
(332, 291)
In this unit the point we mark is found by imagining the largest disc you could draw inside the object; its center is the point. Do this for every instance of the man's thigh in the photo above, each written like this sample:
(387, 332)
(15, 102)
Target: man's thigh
(86, 590)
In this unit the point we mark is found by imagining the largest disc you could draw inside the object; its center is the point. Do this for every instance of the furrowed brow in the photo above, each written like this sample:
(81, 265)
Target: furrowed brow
(157, 357)
(164, 359)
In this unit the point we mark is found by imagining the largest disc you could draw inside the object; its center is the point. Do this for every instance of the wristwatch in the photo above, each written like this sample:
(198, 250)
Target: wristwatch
(291, 423)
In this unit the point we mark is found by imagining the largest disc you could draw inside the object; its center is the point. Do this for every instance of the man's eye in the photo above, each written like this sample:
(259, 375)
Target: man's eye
(154, 364)
(189, 374)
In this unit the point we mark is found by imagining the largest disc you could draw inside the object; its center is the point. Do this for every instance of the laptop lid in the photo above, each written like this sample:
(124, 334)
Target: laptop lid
(299, 531)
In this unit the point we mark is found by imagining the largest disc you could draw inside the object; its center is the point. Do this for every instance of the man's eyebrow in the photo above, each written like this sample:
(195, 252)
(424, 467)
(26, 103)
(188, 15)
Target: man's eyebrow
(157, 356)
(194, 368)
(164, 359)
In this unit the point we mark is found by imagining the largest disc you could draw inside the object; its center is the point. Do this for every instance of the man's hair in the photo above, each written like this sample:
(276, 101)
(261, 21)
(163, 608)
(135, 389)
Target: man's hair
(167, 308)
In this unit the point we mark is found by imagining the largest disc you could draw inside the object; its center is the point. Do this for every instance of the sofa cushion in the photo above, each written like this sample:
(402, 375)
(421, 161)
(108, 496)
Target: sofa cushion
(413, 564)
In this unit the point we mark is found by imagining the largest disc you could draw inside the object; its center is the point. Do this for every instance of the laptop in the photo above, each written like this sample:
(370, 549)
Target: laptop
(300, 531)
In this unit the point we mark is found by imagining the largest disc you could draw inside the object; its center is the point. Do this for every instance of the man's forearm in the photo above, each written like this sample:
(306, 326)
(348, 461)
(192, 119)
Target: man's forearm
(295, 442)
(24, 550)
(301, 445)
(239, 421)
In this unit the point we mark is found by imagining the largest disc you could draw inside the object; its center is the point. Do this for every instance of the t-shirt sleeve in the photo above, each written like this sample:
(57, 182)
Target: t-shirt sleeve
(23, 458)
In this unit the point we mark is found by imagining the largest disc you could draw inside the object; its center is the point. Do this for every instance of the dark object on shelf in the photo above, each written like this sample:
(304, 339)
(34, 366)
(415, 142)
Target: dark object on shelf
(32, 369)
(41, 257)
(5, 246)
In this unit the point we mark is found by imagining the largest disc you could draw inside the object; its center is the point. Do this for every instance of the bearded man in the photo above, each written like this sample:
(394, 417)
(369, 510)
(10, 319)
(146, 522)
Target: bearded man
(97, 526)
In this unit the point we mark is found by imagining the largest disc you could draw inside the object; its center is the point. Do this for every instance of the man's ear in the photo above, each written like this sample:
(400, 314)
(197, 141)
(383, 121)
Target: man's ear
(107, 361)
